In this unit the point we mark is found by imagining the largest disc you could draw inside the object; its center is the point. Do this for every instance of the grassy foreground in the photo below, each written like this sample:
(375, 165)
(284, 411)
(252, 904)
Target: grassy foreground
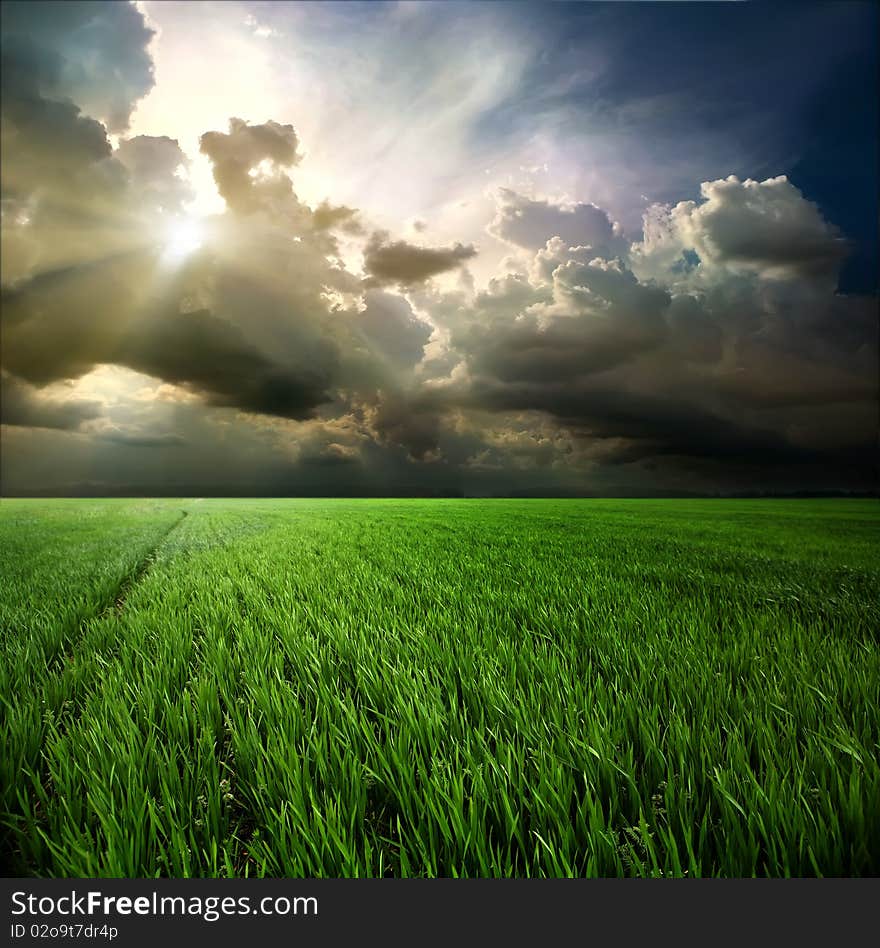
(492, 688)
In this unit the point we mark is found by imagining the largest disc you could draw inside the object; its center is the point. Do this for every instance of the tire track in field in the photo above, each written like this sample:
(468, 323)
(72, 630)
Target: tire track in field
(137, 576)
(62, 710)
(115, 602)
(65, 705)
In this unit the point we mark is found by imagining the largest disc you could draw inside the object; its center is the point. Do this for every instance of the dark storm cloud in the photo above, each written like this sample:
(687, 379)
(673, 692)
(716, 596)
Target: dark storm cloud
(715, 348)
(392, 329)
(23, 404)
(215, 357)
(600, 316)
(694, 335)
(56, 96)
(152, 163)
(118, 302)
(565, 350)
(408, 423)
(653, 424)
(387, 262)
(92, 53)
(93, 314)
(61, 323)
(66, 198)
(715, 362)
(48, 144)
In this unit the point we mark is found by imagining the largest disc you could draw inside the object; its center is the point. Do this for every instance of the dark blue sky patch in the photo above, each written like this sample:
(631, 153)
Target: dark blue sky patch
(755, 90)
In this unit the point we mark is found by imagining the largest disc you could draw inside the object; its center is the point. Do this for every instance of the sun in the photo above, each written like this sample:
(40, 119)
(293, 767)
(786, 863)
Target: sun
(183, 236)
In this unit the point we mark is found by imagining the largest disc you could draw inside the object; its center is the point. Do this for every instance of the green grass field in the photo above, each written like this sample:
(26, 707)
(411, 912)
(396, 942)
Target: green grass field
(453, 687)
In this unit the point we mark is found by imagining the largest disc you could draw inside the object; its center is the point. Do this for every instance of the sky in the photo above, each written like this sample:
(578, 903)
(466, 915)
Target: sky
(438, 248)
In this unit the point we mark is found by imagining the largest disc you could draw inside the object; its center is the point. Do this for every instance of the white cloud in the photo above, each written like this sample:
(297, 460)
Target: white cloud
(766, 228)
